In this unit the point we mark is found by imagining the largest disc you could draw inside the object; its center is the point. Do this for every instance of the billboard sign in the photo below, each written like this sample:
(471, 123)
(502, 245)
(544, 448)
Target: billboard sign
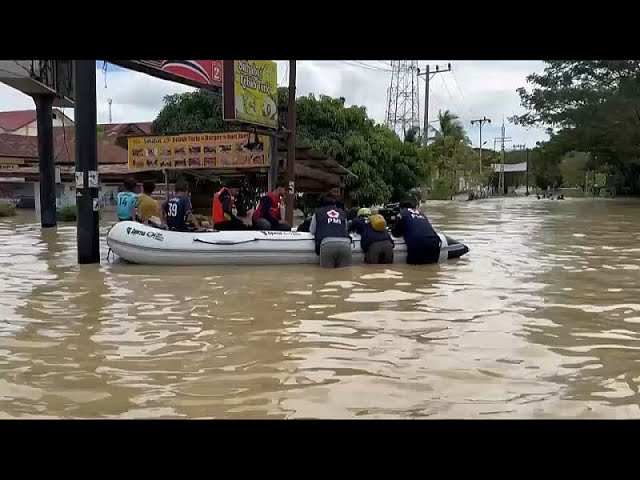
(250, 92)
(199, 150)
(199, 73)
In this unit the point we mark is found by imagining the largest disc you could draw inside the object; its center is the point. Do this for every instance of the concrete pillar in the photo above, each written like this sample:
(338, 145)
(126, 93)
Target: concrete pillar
(44, 110)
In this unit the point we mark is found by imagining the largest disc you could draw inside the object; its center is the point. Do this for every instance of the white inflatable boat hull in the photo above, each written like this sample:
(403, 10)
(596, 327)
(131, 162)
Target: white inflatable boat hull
(143, 244)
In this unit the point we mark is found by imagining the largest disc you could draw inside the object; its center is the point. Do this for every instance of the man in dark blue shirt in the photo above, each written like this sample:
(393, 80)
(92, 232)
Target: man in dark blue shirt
(375, 241)
(177, 210)
(423, 243)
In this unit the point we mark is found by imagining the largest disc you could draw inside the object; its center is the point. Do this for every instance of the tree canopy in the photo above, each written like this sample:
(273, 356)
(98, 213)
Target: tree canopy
(590, 106)
(387, 167)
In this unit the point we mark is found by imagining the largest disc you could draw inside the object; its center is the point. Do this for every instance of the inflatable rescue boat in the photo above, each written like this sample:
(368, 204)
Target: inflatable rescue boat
(143, 244)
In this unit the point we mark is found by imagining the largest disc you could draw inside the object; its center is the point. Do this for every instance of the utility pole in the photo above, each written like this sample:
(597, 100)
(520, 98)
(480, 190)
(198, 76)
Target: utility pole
(110, 101)
(480, 122)
(291, 144)
(527, 174)
(88, 233)
(502, 139)
(428, 75)
(522, 146)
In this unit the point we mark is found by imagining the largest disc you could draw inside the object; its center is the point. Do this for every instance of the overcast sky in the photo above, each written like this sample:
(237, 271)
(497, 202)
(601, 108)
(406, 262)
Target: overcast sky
(474, 89)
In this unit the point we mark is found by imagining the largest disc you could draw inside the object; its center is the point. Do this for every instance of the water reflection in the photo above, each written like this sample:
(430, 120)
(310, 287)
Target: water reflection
(540, 320)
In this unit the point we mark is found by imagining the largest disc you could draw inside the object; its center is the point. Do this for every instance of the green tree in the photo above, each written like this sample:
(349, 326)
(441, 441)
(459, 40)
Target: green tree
(451, 126)
(386, 167)
(573, 168)
(192, 112)
(589, 106)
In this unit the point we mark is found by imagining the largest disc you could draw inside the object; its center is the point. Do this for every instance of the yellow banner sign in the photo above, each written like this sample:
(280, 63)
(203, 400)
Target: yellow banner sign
(250, 92)
(203, 150)
(11, 161)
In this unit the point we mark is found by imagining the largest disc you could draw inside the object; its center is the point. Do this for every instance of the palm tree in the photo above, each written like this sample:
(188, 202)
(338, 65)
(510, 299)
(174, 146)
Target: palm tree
(451, 126)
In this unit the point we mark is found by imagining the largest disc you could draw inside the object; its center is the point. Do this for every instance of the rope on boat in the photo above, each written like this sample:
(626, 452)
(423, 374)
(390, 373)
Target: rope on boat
(261, 239)
(225, 242)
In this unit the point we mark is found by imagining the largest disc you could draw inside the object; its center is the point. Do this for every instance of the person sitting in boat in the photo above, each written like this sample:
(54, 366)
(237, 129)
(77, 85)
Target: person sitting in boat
(304, 226)
(147, 206)
(333, 243)
(222, 211)
(178, 211)
(423, 243)
(267, 215)
(375, 241)
(127, 200)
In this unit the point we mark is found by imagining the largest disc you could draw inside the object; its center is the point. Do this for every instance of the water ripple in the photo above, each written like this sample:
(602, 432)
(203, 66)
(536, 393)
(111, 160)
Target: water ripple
(540, 320)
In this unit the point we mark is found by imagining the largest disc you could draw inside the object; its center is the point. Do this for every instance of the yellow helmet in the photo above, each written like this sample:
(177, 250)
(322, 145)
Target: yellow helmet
(378, 223)
(363, 212)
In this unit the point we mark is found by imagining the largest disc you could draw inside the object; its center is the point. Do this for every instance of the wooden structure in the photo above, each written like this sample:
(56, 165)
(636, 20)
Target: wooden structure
(315, 171)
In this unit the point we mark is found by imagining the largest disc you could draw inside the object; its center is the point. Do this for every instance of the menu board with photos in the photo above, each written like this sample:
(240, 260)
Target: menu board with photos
(204, 150)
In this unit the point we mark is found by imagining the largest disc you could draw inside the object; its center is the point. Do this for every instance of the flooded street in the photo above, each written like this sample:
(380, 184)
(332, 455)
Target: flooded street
(540, 320)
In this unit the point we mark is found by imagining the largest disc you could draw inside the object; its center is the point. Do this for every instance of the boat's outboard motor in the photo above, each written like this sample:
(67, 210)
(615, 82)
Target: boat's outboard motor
(390, 213)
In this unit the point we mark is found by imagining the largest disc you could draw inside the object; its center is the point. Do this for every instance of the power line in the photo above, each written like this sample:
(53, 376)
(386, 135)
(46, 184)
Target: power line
(373, 67)
(457, 84)
(447, 88)
(364, 66)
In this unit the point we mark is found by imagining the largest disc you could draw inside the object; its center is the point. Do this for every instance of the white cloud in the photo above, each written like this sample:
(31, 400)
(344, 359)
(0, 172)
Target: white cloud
(474, 89)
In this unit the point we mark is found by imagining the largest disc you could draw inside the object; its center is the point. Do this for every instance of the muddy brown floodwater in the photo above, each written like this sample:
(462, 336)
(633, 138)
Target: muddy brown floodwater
(540, 320)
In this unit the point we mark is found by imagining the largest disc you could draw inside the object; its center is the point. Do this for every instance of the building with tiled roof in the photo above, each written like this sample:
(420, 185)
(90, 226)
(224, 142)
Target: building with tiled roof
(19, 173)
(24, 122)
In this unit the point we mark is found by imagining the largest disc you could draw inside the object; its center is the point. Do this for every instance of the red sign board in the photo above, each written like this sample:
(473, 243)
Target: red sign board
(195, 72)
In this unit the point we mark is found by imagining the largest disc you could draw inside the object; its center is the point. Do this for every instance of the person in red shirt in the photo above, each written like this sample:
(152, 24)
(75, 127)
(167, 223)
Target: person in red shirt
(222, 210)
(267, 215)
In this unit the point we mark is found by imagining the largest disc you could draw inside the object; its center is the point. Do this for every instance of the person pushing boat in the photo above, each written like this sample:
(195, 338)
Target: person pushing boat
(329, 226)
(423, 243)
(375, 241)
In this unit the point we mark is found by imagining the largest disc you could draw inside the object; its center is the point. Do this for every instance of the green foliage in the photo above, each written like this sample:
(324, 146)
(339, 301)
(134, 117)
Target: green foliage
(387, 168)
(7, 210)
(450, 126)
(307, 203)
(192, 112)
(589, 106)
(443, 188)
(67, 214)
(573, 168)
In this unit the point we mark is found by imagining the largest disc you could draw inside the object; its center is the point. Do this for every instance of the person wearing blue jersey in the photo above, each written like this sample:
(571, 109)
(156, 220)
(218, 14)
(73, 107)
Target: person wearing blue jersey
(178, 211)
(127, 200)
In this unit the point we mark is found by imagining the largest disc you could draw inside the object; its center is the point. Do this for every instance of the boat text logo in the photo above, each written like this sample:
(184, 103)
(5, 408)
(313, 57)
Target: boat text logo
(134, 231)
(275, 233)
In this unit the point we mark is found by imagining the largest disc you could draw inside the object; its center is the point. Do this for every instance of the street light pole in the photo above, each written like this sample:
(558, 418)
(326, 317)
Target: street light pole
(480, 122)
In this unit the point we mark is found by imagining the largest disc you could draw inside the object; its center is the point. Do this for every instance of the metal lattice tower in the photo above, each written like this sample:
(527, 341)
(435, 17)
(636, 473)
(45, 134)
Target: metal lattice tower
(403, 97)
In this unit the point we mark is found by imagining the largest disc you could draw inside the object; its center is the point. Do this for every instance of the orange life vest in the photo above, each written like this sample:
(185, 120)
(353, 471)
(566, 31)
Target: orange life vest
(275, 207)
(217, 212)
